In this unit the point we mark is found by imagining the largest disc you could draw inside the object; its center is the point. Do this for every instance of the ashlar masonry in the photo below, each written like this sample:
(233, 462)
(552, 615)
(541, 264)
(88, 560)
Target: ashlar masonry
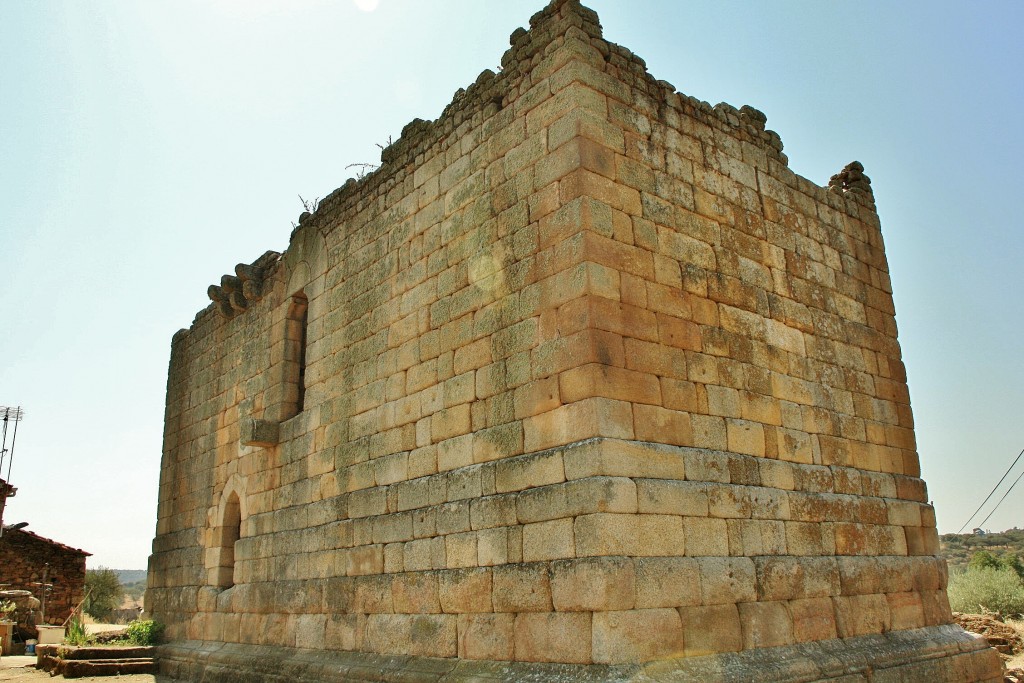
(584, 383)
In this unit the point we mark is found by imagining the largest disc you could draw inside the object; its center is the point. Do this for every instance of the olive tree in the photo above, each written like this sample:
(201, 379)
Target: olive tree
(104, 593)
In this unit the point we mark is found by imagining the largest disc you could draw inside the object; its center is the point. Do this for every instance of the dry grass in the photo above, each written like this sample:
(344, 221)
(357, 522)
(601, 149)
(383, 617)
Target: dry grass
(1016, 661)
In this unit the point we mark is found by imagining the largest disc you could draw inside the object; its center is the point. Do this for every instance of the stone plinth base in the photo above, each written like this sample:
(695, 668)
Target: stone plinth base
(940, 654)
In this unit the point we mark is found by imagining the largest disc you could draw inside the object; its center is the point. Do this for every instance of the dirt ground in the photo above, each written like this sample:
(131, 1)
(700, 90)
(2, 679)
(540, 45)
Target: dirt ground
(1017, 661)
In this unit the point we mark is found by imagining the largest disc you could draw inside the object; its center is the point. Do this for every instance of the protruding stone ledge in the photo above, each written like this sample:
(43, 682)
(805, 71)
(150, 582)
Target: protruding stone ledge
(939, 654)
(260, 433)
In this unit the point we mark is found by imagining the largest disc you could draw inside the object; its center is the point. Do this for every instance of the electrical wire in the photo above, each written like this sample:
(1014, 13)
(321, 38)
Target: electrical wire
(998, 484)
(982, 524)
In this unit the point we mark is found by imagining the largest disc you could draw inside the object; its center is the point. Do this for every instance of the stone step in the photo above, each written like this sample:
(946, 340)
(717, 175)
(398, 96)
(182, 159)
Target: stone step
(79, 652)
(76, 662)
(79, 668)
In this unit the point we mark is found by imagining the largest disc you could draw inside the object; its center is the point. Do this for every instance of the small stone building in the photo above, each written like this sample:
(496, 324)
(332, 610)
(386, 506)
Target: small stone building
(28, 560)
(584, 383)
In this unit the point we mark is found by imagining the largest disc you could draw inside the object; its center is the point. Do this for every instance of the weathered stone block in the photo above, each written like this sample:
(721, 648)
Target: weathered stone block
(765, 624)
(666, 582)
(638, 635)
(788, 578)
(711, 629)
(577, 421)
(860, 614)
(906, 610)
(461, 549)
(522, 588)
(552, 540)
(660, 496)
(726, 580)
(617, 458)
(492, 547)
(580, 496)
(486, 636)
(706, 536)
(654, 423)
(595, 584)
(425, 635)
(553, 637)
(631, 535)
(465, 590)
(528, 471)
(416, 593)
(813, 619)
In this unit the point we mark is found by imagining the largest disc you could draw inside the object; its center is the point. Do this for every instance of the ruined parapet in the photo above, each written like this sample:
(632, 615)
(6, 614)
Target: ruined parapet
(584, 382)
(851, 179)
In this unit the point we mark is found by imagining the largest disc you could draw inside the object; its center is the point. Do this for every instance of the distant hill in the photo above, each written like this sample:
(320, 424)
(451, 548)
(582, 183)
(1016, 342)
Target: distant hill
(126, 576)
(133, 581)
(958, 548)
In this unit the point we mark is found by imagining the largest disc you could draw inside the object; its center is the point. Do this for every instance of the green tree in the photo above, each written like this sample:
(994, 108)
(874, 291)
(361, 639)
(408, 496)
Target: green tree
(983, 559)
(105, 593)
(1012, 561)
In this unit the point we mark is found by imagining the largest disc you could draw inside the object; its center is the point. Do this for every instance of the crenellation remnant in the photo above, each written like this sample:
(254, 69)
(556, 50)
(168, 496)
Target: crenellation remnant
(755, 117)
(851, 179)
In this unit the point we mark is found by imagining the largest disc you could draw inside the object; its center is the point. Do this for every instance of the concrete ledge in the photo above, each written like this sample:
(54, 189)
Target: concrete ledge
(939, 654)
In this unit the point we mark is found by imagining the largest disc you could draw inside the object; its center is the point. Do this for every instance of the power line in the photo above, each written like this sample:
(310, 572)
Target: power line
(998, 484)
(1002, 499)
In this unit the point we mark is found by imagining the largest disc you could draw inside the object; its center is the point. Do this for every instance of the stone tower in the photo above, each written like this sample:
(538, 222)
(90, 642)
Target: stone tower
(584, 383)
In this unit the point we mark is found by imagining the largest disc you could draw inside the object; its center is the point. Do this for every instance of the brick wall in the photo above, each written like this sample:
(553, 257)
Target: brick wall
(590, 376)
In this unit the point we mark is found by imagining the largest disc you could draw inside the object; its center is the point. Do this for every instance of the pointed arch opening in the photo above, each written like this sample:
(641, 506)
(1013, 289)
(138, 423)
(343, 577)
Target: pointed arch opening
(226, 536)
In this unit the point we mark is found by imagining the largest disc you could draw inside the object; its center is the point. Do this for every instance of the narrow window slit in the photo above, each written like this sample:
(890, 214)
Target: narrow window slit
(295, 353)
(229, 533)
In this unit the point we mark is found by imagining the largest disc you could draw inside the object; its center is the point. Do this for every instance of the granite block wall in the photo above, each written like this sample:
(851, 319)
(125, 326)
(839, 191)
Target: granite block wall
(583, 374)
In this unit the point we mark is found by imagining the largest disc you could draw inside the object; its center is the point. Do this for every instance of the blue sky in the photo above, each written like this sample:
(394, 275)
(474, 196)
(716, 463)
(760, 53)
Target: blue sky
(147, 147)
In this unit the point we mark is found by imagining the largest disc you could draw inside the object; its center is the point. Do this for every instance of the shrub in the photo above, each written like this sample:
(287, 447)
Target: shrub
(979, 589)
(146, 632)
